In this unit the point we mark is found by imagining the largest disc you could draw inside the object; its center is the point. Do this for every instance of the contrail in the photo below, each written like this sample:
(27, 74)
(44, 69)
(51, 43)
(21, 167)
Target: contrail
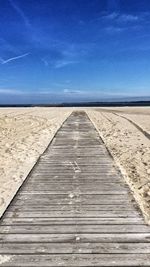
(20, 12)
(12, 58)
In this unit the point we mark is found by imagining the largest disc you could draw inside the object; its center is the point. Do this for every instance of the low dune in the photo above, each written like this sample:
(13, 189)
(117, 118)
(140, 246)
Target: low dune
(125, 132)
(24, 135)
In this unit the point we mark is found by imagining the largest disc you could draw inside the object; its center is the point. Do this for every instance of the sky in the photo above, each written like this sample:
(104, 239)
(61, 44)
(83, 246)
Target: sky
(74, 50)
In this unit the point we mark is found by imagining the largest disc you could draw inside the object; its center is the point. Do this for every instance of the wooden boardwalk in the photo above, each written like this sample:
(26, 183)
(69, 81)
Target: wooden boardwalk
(74, 209)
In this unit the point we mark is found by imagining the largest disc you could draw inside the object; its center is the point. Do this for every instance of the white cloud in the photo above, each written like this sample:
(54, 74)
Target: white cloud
(63, 63)
(114, 29)
(45, 62)
(91, 95)
(128, 18)
(121, 17)
(123, 94)
(110, 16)
(12, 58)
(10, 91)
(70, 91)
(15, 92)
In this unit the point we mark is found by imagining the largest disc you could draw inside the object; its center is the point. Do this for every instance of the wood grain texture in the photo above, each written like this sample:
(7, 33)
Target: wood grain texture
(74, 209)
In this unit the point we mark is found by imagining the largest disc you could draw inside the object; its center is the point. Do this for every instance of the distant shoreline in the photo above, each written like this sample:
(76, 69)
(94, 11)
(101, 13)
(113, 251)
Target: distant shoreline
(84, 104)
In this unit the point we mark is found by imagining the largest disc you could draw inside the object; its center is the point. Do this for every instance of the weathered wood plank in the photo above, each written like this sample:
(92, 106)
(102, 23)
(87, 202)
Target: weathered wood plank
(73, 220)
(77, 237)
(89, 228)
(85, 182)
(82, 178)
(74, 209)
(52, 185)
(69, 190)
(77, 212)
(86, 198)
(73, 248)
(83, 260)
(68, 207)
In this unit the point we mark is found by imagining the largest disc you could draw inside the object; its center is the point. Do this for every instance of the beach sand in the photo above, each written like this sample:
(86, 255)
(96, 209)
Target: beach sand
(24, 135)
(26, 132)
(125, 131)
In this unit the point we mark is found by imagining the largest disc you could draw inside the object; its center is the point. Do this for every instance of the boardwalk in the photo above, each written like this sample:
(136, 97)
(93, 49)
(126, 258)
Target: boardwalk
(74, 209)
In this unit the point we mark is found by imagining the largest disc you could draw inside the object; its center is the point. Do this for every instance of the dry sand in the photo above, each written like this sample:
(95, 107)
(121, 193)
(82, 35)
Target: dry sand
(26, 132)
(24, 135)
(125, 132)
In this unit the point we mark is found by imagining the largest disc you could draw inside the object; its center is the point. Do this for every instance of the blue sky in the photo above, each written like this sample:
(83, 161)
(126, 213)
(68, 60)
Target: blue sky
(73, 50)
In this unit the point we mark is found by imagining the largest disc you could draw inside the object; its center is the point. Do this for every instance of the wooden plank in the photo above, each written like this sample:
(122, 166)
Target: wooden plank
(69, 191)
(52, 199)
(86, 198)
(74, 209)
(84, 167)
(72, 228)
(77, 237)
(83, 260)
(81, 182)
(68, 206)
(74, 182)
(78, 213)
(75, 189)
(87, 164)
(82, 177)
(69, 171)
(72, 248)
(72, 220)
(57, 158)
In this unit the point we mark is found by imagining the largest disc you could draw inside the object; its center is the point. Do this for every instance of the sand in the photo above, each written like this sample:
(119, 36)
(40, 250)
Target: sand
(24, 135)
(124, 131)
(26, 132)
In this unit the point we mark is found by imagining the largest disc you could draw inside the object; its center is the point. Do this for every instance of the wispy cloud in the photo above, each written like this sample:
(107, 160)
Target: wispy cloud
(119, 17)
(15, 92)
(122, 94)
(63, 63)
(128, 18)
(114, 29)
(10, 92)
(20, 12)
(45, 62)
(12, 58)
(116, 22)
(40, 92)
(70, 91)
(82, 95)
(110, 16)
